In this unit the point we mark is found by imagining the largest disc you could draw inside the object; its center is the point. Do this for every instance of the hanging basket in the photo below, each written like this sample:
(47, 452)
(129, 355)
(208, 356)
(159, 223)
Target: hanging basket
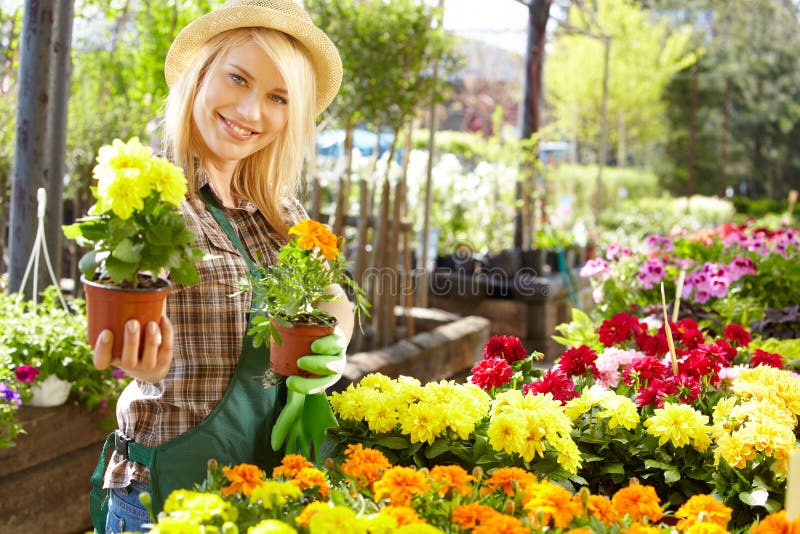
(296, 342)
(109, 307)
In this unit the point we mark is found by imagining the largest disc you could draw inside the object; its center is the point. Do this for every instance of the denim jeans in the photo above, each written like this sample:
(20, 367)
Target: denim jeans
(125, 512)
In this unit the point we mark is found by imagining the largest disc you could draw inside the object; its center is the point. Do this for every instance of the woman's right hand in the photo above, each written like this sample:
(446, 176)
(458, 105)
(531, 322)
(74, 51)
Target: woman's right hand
(156, 357)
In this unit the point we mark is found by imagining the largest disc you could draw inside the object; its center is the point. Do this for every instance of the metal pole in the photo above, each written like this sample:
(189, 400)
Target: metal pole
(30, 161)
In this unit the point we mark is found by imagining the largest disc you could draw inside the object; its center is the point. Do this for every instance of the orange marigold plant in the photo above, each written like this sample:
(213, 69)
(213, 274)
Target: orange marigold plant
(291, 464)
(243, 478)
(638, 502)
(400, 484)
(364, 466)
(713, 510)
(508, 478)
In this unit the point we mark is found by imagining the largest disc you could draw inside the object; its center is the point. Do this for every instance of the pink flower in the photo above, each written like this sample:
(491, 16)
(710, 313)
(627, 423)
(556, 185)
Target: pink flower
(595, 267)
(26, 373)
(651, 272)
(609, 362)
(491, 372)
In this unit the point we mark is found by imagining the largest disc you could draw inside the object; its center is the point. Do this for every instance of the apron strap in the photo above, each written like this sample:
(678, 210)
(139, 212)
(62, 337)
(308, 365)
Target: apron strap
(98, 497)
(219, 215)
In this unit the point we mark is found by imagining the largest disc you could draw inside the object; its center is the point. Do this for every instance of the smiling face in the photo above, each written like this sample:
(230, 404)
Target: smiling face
(241, 106)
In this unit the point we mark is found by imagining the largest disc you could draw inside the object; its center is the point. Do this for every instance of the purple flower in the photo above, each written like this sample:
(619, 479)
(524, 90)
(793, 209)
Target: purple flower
(741, 266)
(613, 251)
(9, 394)
(118, 373)
(26, 373)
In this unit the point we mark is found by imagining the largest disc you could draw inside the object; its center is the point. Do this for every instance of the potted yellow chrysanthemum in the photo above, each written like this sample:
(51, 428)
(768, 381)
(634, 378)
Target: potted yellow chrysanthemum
(134, 232)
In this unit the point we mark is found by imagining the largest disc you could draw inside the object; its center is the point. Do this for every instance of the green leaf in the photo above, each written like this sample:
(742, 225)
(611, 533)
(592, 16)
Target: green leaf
(614, 468)
(119, 270)
(127, 252)
(439, 447)
(88, 264)
(757, 497)
(393, 442)
(671, 476)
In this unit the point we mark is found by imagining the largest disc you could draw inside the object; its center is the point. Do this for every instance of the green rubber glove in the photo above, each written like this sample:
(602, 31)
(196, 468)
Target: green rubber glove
(307, 414)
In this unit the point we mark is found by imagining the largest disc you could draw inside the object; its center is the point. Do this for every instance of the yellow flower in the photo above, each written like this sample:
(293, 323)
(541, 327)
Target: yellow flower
(381, 415)
(679, 424)
(176, 525)
(713, 511)
(313, 234)
(421, 422)
(121, 172)
(304, 518)
(353, 402)
(336, 520)
(193, 506)
(379, 524)
(244, 478)
(399, 484)
(706, 528)
(764, 382)
(506, 433)
(168, 179)
(271, 526)
(273, 494)
(546, 502)
(619, 411)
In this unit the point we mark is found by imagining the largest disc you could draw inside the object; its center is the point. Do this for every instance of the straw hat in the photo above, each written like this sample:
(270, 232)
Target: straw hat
(284, 15)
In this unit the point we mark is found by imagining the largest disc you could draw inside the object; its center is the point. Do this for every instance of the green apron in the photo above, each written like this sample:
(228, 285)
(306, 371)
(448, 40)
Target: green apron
(236, 431)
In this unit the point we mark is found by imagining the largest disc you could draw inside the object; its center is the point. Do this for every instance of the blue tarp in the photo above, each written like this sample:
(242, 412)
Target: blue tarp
(331, 142)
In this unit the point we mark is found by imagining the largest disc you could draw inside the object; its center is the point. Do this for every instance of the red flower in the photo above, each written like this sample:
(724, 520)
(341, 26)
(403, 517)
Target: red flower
(687, 332)
(644, 370)
(737, 334)
(26, 373)
(762, 357)
(617, 329)
(578, 361)
(730, 352)
(507, 347)
(556, 382)
(491, 372)
(683, 388)
(652, 345)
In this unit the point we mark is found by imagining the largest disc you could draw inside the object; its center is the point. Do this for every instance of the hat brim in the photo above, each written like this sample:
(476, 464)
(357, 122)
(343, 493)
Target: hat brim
(324, 56)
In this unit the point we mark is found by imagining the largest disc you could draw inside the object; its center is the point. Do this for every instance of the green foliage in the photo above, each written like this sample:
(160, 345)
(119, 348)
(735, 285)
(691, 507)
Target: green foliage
(644, 54)
(580, 331)
(52, 340)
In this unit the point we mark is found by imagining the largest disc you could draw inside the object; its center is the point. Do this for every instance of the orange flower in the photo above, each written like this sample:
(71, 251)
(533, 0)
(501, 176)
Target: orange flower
(639, 528)
(290, 466)
(715, 511)
(508, 478)
(310, 477)
(315, 234)
(548, 502)
(579, 530)
(776, 524)
(638, 502)
(364, 465)
(451, 477)
(400, 484)
(600, 506)
(404, 515)
(502, 524)
(244, 478)
(304, 518)
(471, 515)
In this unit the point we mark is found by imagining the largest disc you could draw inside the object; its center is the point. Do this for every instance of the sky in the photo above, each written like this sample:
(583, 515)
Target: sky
(501, 23)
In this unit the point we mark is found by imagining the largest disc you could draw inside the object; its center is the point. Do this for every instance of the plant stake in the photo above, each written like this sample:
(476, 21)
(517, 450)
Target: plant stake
(678, 293)
(668, 331)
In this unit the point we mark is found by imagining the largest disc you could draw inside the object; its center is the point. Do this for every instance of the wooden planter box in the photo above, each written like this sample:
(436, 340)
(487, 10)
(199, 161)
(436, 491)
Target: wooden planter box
(44, 479)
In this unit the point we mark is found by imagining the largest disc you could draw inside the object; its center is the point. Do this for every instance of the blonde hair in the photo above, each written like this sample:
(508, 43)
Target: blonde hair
(272, 174)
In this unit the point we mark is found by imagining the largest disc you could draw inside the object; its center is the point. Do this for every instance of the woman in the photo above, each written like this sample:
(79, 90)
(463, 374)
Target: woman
(246, 82)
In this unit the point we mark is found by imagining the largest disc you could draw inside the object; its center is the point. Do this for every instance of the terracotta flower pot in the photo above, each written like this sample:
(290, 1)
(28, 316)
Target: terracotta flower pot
(296, 342)
(110, 307)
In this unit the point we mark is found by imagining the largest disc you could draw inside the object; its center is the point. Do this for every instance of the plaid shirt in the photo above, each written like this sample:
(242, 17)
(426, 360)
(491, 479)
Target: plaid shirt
(210, 319)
